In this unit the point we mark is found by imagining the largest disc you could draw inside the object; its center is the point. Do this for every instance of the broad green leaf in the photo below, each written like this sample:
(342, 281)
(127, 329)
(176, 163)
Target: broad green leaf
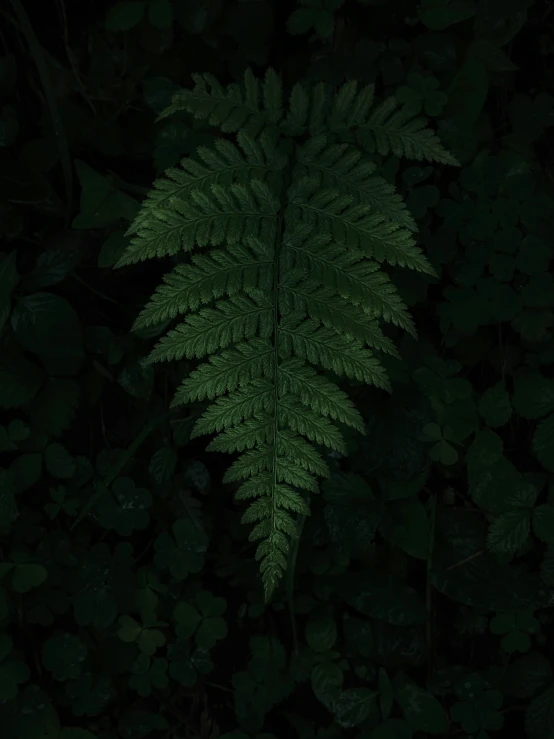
(386, 695)
(468, 91)
(534, 395)
(162, 465)
(539, 716)
(354, 706)
(13, 671)
(420, 708)
(392, 728)
(27, 576)
(76, 732)
(46, 324)
(384, 598)
(137, 724)
(543, 523)
(160, 13)
(327, 680)
(54, 408)
(25, 471)
(321, 630)
(510, 531)
(543, 442)
(53, 265)
(137, 379)
(58, 461)
(102, 204)
(491, 55)
(440, 14)
(406, 524)
(197, 17)
(495, 407)
(125, 14)
(113, 248)
(20, 380)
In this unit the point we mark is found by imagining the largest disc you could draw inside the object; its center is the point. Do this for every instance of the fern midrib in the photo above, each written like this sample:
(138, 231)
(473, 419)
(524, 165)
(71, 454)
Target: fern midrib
(287, 179)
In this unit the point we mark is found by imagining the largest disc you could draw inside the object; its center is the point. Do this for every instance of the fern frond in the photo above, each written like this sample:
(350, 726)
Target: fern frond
(323, 303)
(354, 277)
(351, 107)
(232, 409)
(343, 168)
(253, 432)
(225, 164)
(391, 131)
(210, 276)
(227, 371)
(354, 225)
(296, 287)
(341, 353)
(307, 422)
(248, 106)
(317, 392)
(223, 214)
(240, 318)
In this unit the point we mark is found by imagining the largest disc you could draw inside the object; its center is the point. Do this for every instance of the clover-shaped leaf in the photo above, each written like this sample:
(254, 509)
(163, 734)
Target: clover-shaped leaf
(147, 674)
(13, 671)
(62, 502)
(184, 666)
(147, 639)
(63, 656)
(478, 707)
(203, 619)
(183, 553)
(90, 694)
(35, 716)
(422, 93)
(495, 406)
(58, 461)
(420, 708)
(321, 630)
(125, 508)
(515, 629)
(441, 451)
(316, 14)
(25, 575)
(103, 585)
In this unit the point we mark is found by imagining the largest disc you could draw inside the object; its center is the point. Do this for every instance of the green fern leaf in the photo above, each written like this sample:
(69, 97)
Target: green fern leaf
(249, 106)
(342, 167)
(240, 318)
(304, 225)
(224, 214)
(354, 224)
(392, 131)
(209, 276)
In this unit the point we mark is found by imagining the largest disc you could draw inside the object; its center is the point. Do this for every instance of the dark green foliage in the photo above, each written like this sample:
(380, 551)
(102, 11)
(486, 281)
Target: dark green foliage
(304, 199)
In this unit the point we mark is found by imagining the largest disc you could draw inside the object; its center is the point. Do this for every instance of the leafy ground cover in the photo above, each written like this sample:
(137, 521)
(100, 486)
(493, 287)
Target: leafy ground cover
(420, 600)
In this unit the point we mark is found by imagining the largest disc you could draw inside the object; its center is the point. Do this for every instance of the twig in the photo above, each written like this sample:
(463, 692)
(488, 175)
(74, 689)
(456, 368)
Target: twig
(466, 560)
